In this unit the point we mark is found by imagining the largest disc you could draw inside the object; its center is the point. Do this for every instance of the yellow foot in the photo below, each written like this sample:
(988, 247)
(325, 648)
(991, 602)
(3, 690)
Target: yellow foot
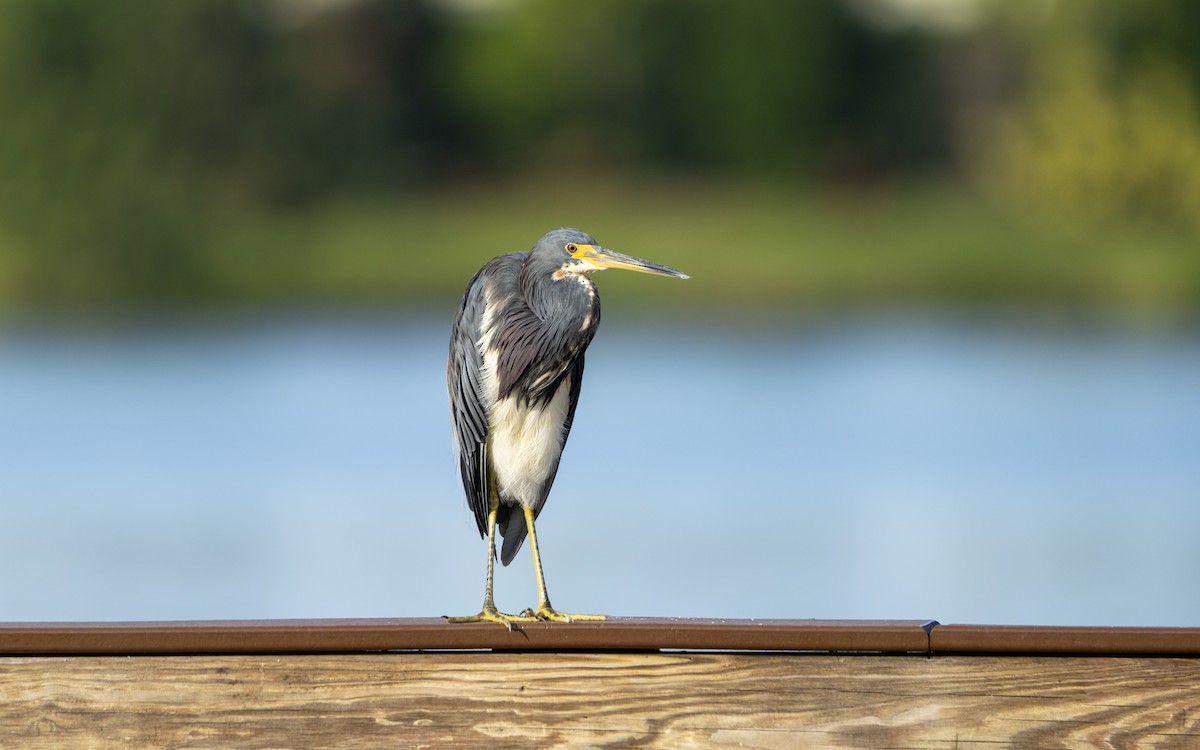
(546, 613)
(491, 614)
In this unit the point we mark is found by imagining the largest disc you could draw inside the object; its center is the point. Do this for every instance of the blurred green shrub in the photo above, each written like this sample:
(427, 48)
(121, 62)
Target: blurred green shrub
(1090, 144)
(735, 85)
(129, 126)
(757, 87)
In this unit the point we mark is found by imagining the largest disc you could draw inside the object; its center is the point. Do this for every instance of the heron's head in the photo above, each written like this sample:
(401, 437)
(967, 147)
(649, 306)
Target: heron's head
(570, 251)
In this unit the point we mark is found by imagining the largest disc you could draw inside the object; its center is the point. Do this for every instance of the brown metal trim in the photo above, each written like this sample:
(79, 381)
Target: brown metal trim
(1025, 639)
(614, 634)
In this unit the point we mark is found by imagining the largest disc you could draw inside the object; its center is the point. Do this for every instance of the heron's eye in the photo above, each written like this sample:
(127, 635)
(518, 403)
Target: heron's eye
(572, 247)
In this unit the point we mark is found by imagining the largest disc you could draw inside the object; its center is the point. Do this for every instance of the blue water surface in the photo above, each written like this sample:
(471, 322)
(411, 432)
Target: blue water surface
(856, 467)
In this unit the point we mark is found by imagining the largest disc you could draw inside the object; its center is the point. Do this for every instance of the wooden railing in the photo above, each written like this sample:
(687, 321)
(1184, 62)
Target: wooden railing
(626, 681)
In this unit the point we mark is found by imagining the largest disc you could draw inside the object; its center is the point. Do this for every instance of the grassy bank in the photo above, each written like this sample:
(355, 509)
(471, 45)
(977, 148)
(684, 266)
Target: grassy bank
(749, 247)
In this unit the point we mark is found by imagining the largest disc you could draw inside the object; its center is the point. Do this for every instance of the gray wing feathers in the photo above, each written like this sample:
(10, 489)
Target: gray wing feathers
(530, 357)
(467, 410)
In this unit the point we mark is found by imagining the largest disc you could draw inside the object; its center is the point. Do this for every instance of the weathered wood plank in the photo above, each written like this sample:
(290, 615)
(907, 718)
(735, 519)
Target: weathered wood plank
(540, 699)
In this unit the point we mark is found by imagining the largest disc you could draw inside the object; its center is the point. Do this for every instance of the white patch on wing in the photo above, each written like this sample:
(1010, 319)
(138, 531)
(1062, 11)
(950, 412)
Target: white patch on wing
(542, 379)
(526, 443)
(489, 354)
(591, 292)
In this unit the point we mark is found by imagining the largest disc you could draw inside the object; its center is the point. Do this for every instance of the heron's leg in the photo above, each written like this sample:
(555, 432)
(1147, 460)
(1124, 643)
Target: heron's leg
(489, 613)
(544, 611)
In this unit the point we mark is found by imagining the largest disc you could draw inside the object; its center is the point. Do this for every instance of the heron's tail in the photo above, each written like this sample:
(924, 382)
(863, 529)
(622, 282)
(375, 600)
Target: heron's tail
(511, 520)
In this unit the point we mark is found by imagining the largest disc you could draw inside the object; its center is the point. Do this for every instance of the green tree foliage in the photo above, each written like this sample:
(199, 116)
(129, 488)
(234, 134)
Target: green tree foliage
(132, 130)
(130, 125)
(1106, 128)
(754, 86)
(1088, 146)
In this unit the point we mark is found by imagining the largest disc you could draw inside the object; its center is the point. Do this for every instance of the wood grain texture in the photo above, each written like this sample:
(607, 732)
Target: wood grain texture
(546, 699)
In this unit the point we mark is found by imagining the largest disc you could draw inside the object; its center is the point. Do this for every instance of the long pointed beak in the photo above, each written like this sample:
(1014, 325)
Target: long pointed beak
(602, 257)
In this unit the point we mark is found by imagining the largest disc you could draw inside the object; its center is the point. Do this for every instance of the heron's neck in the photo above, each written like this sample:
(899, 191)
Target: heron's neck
(568, 302)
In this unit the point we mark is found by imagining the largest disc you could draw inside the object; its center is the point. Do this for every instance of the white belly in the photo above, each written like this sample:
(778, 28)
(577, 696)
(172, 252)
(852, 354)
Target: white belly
(525, 444)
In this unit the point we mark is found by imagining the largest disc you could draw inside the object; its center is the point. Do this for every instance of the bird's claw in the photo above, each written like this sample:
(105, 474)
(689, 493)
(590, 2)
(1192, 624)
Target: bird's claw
(491, 614)
(546, 613)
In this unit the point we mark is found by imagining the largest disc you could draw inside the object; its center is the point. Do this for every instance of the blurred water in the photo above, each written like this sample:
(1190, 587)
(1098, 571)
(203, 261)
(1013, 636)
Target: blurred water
(867, 468)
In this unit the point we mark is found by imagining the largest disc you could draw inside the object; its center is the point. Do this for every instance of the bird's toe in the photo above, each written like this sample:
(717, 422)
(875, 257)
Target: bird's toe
(491, 614)
(546, 613)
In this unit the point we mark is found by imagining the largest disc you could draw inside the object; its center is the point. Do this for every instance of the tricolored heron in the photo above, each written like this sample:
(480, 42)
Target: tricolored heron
(516, 363)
